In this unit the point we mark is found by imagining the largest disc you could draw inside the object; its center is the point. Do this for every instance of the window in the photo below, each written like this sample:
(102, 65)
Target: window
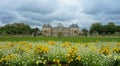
(75, 31)
(45, 31)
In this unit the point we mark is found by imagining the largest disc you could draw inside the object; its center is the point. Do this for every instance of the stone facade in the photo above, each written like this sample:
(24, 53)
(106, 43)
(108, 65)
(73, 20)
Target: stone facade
(72, 30)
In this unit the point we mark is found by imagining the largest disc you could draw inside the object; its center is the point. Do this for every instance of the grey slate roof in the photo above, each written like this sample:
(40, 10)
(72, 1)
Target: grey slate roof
(60, 26)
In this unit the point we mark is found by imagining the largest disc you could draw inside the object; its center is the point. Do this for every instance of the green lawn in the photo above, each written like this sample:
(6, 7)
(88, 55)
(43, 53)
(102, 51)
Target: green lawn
(70, 39)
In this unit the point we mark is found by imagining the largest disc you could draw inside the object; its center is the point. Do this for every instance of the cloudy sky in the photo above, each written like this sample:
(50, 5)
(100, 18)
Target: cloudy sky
(39, 12)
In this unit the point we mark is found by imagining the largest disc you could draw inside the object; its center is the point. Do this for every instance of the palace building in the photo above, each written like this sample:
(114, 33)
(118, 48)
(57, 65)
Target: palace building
(72, 30)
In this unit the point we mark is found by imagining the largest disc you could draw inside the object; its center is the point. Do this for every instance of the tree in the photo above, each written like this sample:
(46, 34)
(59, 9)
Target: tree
(35, 31)
(110, 28)
(111, 24)
(0, 30)
(84, 32)
(118, 28)
(96, 27)
(17, 28)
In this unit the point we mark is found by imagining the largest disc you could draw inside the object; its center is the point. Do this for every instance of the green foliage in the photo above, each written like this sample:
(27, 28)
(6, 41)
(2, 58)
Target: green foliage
(96, 27)
(108, 29)
(35, 31)
(85, 32)
(117, 28)
(15, 28)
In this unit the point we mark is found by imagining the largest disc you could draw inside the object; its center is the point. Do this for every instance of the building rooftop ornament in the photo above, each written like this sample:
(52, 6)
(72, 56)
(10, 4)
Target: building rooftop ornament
(46, 25)
(74, 25)
(60, 25)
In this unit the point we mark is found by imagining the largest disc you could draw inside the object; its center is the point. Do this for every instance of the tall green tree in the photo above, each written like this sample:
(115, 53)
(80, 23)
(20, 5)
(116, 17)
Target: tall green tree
(96, 27)
(118, 28)
(110, 28)
(17, 28)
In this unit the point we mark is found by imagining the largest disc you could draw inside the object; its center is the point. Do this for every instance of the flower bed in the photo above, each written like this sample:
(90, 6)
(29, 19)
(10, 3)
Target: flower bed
(51, 53)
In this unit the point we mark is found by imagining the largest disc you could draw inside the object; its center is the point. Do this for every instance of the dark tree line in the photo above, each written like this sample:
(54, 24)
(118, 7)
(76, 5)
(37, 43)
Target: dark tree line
(18, 28)
(108, 29)
(24, 29)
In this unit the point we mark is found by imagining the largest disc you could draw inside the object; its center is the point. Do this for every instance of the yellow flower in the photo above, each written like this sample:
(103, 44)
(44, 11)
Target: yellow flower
(118, 44)
(56, 61)
(11, 45)
(70, 60)
(105, 50)
(51, 42)
(59, 64)
(93, 48)
(72, 52)
(67, 55)
(116, 49)
(22, 42)
(1, 47)
(78, 58)
(85, 45)
(41, 49)
(30, 45)
(8, 58)
(44, 49)
(37, 62)
(66, 44)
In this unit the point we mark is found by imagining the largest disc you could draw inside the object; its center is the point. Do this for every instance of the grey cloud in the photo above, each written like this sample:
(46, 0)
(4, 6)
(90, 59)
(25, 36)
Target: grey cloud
(38, 12)
(101, 6)
(40, 6)
(7, 16)
(57, 15)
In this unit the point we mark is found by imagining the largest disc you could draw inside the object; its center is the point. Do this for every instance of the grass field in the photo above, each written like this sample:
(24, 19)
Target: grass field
(64, 39)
